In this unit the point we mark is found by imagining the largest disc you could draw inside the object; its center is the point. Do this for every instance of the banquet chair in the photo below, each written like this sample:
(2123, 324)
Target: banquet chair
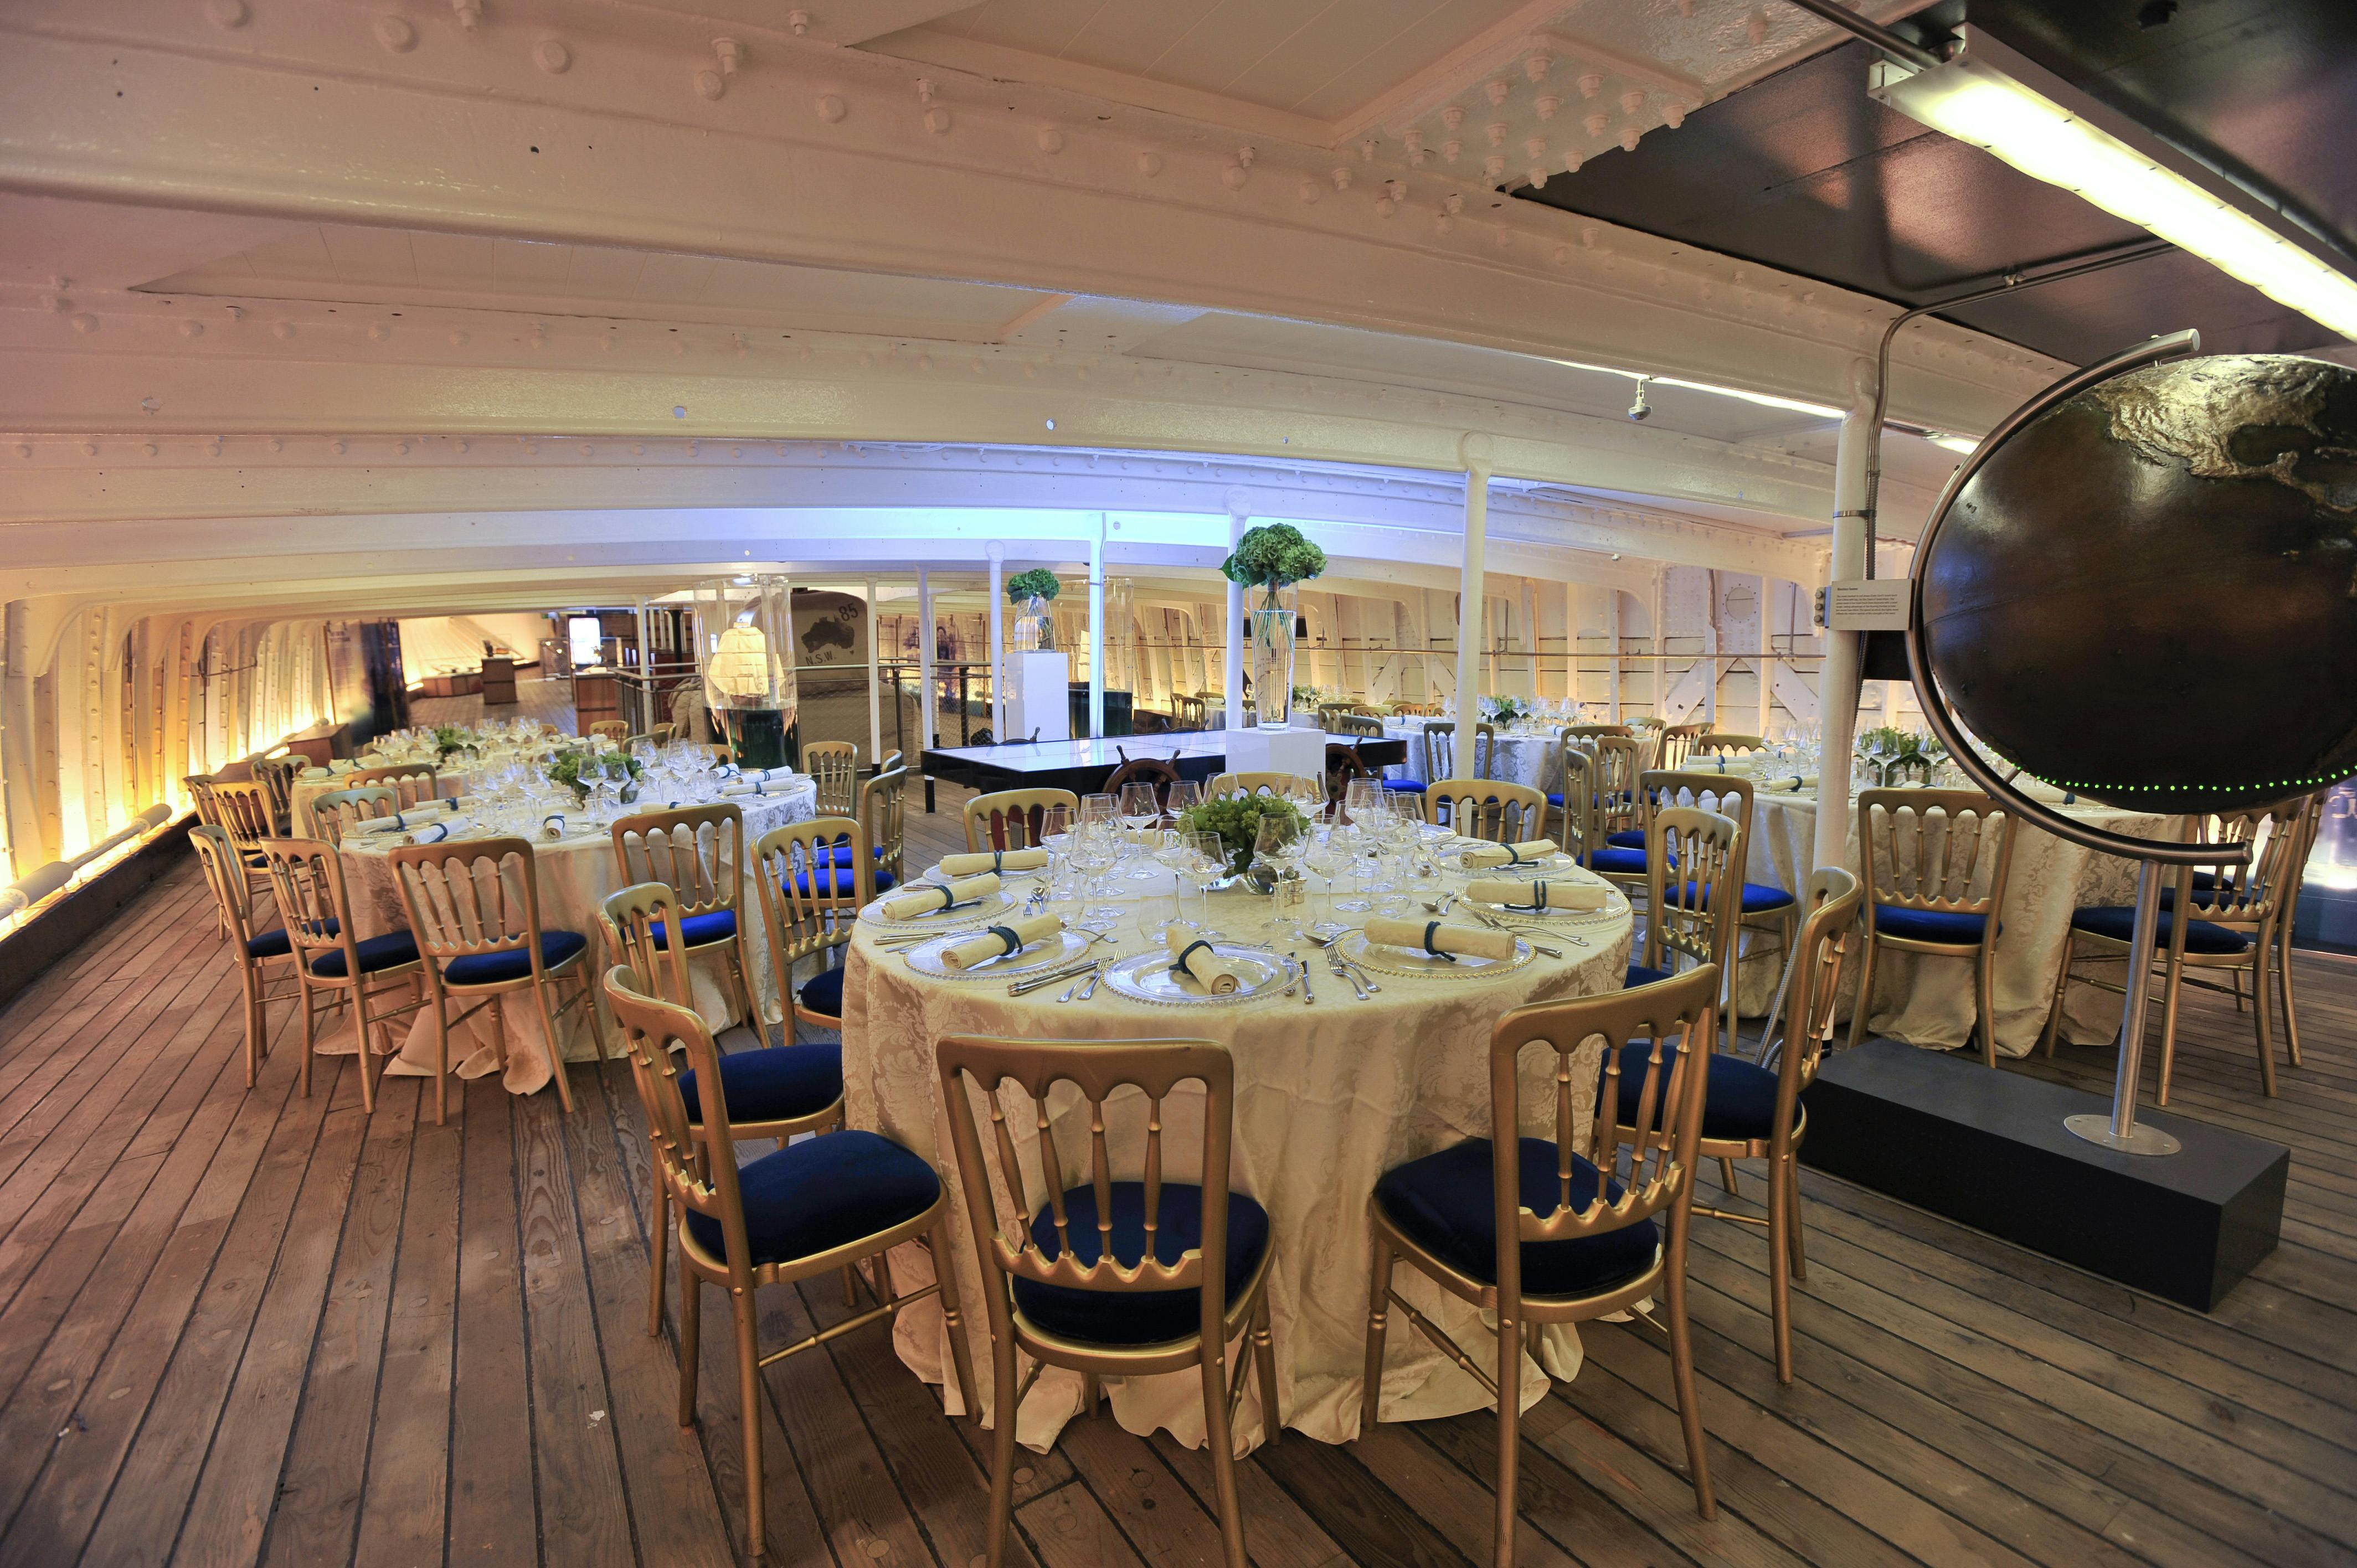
(1361, 726)
(1753, 1111)
(1726, 743)
(337, 811)
(1010, 819)
(226, 873)
(1563, 1234)
(1924, 902)
(1146, 721)
(1692, 858)
(1677, 744)
(834, 766)
(246, 818)
(883, 813)
(200, 787)
(278, 775)
(1586, 733)
(662, 734)
(1223, 785)
(2228, 924)
(1438, 749)
(614, 730)
(1069, 1283)
(481, 940)
(1763, 907)
(2311, 823)
(1415, 710)
(798, 1212)
(774, 1092)
(1343, 764)
(811, 885)
(699, 853)
(308, 880)
(1186, 713)
(1573, 805)
(1492, 809)
(411, 782)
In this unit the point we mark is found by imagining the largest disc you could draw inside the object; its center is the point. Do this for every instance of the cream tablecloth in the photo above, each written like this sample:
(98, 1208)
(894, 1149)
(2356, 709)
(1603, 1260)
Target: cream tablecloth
(575, 874)
(307, 790)
(1327, 1097)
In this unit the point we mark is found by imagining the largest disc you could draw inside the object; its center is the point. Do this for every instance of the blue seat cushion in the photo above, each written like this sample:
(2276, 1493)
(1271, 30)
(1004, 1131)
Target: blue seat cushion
(1929, 925)
(701, 930)
(557, 948)
(388, 951)
(1627, 838)
(1554, 798)
(1739, 1101)
(840, 880)
(1136, 1318)
(1616, 862)
(844, 854)
(1404, 785)
(2119, 923)
(1639, 976)
(775, 1084)
(1757, 897)
(276, 943)
(1442, 1201)
(824, 994)
(823, 1193)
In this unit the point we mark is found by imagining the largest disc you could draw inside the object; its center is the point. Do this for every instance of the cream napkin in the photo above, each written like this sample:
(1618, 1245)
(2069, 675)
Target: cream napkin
(745, 786)
(1541, 895)
(392, 824)
(552, 826)
(1441, 937)
(1201, 962)
(460, 802)
(992, 943)
(1482, 857)
(925, 900)
(342, 765)
(317, 773)
(994, 860)
(435, 831)
(1783, 783)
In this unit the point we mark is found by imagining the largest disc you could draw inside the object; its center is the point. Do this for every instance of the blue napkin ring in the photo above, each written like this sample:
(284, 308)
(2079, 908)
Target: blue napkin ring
(949, 898)
(1178, 965)
(1430, 926)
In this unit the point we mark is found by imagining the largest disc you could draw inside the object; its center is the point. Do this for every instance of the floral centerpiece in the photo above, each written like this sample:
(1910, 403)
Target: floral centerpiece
(1034, 627)
(448, 739)
(1273, 557)
(1892, 753)
(580, 770)
(1504, 711)
(1237, 819)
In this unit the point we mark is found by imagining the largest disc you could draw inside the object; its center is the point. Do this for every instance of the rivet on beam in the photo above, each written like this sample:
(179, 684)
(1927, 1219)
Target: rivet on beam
(458, 445)
(1149, 163)
(798, 22)
(379, 331)
(1673, 114)
(275, 445)
(1497, 130)
(1497, 88)
(282, 330)
(1453, 116)
(83, 322)
(709, 86)
(1494, 166)
(226, 15)
(90, 448)
(1628, 137)
(1308, 192)
(937, 121)
(1340, 176)
(1591, 83)
(552, 56)
(830, 108)
(396, 34)
(192, 328)
(1050, 139)
(1537, 66)
(337, 448)
(469, 12)
(1235, 175)
(401, 449)
(1633, 101)
(23, 450)
(1366, 149)
(1547, 105)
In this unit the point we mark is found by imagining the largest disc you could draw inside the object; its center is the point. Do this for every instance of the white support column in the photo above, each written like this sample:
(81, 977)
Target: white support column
(925, 634)
(875, 690)
(646, 670)
(1767, 664)
(1838, 684)
(1096, 631)
(997, 552)
(1232, 685)
(1474, 450)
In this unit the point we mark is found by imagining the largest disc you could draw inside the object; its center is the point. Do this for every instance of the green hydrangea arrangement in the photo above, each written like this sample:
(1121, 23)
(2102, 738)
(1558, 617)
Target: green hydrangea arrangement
(1273, 557)
(1308, 697)
(448, 739)
(1893, 753)
(1037, 584)
(1506, 709)
(1237, 819)
(578, 770)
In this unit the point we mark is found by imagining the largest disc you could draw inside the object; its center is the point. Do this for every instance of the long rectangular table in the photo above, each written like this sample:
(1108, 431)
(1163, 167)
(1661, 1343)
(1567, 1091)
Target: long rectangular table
(1084, 766)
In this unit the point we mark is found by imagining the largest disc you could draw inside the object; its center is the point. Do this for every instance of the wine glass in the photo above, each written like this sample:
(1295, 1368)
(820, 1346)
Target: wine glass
(1185, 795)
(1139, 810)
(1092, 853)
(1210, 864)
(1321, 855)
(1098, 810)
(1363, 800)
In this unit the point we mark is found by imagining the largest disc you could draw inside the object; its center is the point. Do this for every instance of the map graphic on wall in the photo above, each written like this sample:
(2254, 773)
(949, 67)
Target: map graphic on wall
(830, 628)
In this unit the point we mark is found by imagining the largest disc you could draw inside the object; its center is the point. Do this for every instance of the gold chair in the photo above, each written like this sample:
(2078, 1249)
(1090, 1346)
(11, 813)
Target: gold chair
(614, 730)
(1574, 805)
(1186, 713)
(1925, 903)
(1072, 1285)
(812, 878)
(1587, 733)
(2311, 823)
(2231, 919)
(1010, 819)
(474, 909)
(277, 774)
(308, 882)
(226, 872)
(1492, 809)
(806, 1209)
(200, 787)
(1692, 858)
(834, 764)
(883, 813)
(337, 811)
(1223, 785)
(1726, 743)
(1362, 726)
(1677, 742)
(1562, 1235)
(662, 734)
(1763, 907)
(1753, 1112)
(245, 815)
(411, 782)
(699, 853)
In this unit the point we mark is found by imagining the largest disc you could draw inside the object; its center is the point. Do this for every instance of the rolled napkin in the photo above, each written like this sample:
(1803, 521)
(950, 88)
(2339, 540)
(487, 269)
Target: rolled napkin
(1441, 939)
(728, 770)
(1539, 895)
(996, 860)
(1771, 783)
(751, 785)
(2038, 789)
(317, 773)
(393, 825)
(1000, 940)
(1195, 957)
(435, 831)
(773, 775)
(925, 900)
(552, 826)
(1482, 857)
(341, 764)
(460, 802)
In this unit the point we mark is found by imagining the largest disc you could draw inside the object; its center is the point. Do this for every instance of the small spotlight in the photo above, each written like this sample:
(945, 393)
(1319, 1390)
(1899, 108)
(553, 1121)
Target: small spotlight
(1639, 409)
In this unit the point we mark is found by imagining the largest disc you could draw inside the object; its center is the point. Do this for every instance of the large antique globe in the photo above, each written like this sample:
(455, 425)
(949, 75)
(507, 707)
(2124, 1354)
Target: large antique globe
(2148, 593)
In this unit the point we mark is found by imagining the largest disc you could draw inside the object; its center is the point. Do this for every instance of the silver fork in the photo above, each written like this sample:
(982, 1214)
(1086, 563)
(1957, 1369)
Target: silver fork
(1090, 988)
(1334, 960)
(1308, 996)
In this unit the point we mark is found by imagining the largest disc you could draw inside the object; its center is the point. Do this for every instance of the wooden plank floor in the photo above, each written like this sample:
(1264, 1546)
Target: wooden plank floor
(255, 1327)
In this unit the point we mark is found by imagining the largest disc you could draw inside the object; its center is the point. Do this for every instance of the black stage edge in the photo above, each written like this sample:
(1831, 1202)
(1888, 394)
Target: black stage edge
(30, 948)
(1989, 1149)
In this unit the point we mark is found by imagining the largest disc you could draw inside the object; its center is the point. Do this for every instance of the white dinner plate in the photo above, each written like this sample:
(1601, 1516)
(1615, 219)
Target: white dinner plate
(1406, 961)
(1062, 947)
(983, 911)
(1148, 977)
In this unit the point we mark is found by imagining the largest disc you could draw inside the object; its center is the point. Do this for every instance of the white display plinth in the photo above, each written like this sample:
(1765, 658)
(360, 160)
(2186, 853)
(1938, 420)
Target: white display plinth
(1295, 750)
(1038, 696)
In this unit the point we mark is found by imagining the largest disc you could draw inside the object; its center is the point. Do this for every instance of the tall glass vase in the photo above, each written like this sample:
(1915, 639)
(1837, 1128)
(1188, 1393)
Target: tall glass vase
(1272, 667)
(1034, 627)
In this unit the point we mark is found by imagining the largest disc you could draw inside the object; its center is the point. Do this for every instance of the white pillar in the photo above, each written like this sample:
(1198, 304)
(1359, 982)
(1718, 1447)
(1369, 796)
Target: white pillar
(998, 551)
(1838, 681)
(875, 689)
(925, 703)
(1474, 450)
(1234, 667)
(1097, 631)
(1766, 665)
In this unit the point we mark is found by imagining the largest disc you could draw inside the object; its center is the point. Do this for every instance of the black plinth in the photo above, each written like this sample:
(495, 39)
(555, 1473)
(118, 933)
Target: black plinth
(1989, 1149)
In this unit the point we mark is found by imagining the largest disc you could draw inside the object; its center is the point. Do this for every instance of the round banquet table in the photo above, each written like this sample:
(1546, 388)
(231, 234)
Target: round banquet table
(576, 874)
(304, 791)
(1327, 1097)
(1926, 1000)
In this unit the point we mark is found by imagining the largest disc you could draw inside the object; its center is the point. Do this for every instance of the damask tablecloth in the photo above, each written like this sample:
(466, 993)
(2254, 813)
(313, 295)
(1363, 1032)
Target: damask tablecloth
(1327, 1097)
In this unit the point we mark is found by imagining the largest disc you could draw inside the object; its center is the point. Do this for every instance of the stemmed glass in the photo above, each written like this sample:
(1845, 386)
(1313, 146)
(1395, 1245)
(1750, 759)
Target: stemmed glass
(1280, 842)
(1093, 852)
(1185, 795)
(1140, 809)
(1056, 838)
(1322, 855)
(1208, 864)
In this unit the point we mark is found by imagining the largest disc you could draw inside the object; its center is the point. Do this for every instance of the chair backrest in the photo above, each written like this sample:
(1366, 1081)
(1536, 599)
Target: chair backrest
(1415, 710)
(411, 782)
(247, 815)
(1613, 782)
(698, 852)
(1098, 1069)
(479, 896)
(334, 813)
(1575, 774)
(1363, 725)
(1694, 886)
(1146, 721)
(1223, 785)
(629, 915)
(1010, 818)
(1678, 744)
(1819, 955)
(1439, 748)
(1151, 770)
(662, 734)
(225, 875)
(809, 901)
(200, 787)
(834, 764)
(1942, 850)
(1728, 794)
(1678, 1015)
(1343, 764)
(307, 880)
(1186, 713)
(1494, 809)
(614, 730)
(1485, 750)
(1722, 743)
(2250, 894)
(684, 1162)
(883, 812)
(278, 775)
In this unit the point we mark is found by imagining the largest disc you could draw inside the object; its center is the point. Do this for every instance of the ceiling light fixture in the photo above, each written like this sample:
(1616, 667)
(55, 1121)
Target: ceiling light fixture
(1997, 99)
(1765, 400)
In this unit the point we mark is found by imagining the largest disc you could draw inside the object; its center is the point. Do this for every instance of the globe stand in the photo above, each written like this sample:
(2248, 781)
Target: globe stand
(2119, 1130)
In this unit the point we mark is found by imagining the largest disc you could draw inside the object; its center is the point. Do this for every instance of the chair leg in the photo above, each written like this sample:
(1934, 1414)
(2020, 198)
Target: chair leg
(2260, 1024)
(555, 1056)
(252, 985)
(2168, 1022)
(1263, 1354)
(309, 1020)
(1780, 1264)
(2283, 990)
(1379, 1294)
(360, 1029)
(691, 1338)
(1001, 1447)
(657, 1249)
(1510, 1437)
(952, 1320)
(2054, 1009)
(1682, 1373)
(1864, 1003)
(1984, 982)
(1222, 1441)
(749, 1415)
(441, 1056)
(1726, 1176)
(1794, 1228)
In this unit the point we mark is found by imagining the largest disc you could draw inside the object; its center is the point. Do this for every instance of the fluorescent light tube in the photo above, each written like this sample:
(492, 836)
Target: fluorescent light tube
(1963, 445)
(1765, 400)
(1997, 101)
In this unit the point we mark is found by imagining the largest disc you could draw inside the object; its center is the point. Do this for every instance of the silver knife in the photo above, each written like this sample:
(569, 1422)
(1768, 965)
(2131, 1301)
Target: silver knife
(1047, 977)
